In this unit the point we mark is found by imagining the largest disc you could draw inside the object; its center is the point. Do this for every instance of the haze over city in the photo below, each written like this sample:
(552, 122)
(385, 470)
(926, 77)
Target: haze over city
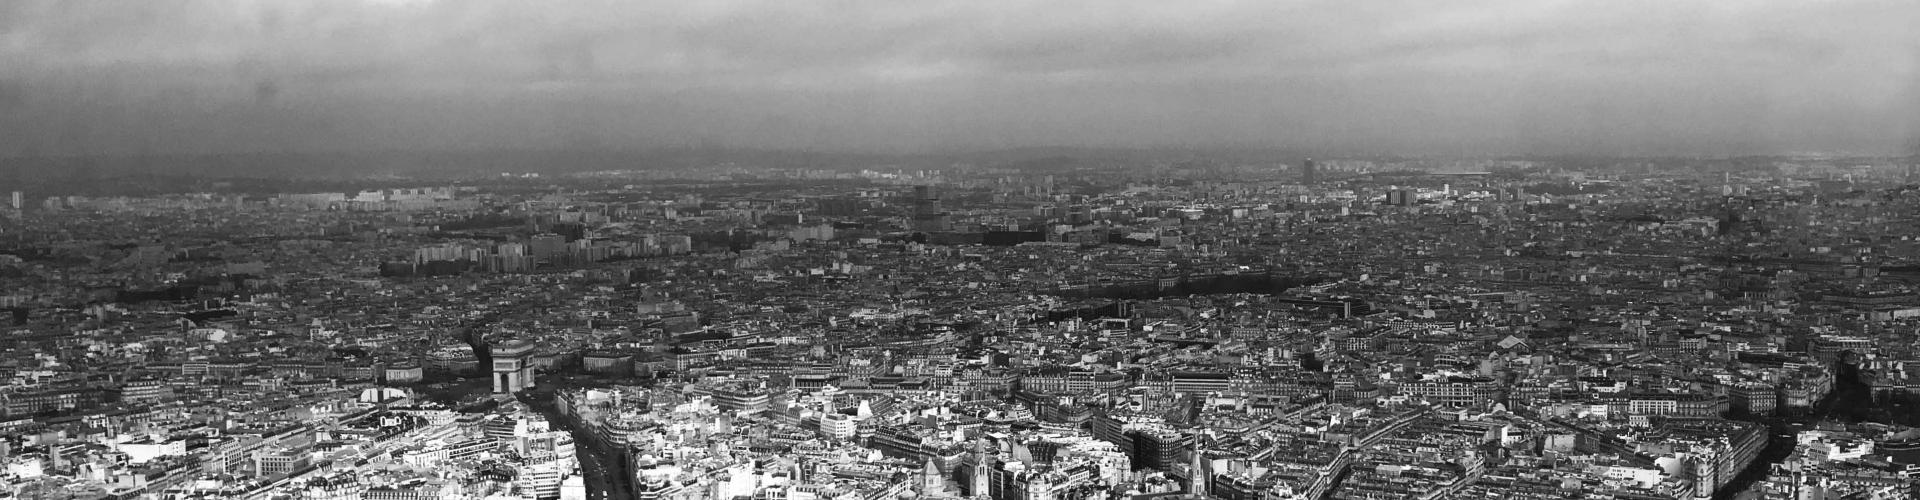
(1524, 77)
(959, 250)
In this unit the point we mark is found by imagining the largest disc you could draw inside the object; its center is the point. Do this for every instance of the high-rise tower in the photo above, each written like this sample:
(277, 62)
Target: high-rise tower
(928, 216)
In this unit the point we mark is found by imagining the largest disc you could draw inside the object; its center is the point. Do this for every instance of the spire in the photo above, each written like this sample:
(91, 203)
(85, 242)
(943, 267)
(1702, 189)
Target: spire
(1199, 469)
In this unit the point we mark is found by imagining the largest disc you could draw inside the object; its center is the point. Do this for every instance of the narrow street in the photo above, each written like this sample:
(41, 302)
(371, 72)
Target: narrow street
(1848, 400)
(605, 473)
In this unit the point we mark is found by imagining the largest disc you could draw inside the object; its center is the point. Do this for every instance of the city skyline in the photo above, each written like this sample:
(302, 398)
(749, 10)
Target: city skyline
(959, 250)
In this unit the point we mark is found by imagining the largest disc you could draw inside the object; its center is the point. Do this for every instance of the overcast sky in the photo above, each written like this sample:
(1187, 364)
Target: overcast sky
(1415, 76)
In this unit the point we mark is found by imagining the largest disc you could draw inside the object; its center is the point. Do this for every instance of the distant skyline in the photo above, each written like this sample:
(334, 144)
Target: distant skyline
(1510, 77)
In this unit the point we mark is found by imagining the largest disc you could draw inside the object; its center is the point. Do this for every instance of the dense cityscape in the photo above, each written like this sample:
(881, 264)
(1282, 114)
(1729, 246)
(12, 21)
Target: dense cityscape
(967, 250)
(1042, 328)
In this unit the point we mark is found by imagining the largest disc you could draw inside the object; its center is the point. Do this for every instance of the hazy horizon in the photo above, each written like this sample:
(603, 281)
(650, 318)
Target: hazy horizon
(1519, 77)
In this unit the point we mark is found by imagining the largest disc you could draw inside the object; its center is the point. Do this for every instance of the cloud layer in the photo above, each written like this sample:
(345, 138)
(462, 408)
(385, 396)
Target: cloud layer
(1406, 76)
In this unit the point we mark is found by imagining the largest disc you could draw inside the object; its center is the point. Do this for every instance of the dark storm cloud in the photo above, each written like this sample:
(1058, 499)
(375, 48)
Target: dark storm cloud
(1526, 76)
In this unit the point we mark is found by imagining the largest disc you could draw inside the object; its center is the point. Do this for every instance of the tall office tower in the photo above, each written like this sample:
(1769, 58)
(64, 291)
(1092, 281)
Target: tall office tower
(925, 199)
(1402, 197)
(927, 214)
(18, 201)
(1309, 172)
(548, 245)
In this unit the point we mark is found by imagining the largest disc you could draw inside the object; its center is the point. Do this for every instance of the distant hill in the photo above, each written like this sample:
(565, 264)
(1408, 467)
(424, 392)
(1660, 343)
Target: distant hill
(60, 175)
(271, 172)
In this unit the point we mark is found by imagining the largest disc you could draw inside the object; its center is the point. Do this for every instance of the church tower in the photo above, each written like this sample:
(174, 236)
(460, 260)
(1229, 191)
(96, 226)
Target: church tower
(1199, 470)
(977, 479)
